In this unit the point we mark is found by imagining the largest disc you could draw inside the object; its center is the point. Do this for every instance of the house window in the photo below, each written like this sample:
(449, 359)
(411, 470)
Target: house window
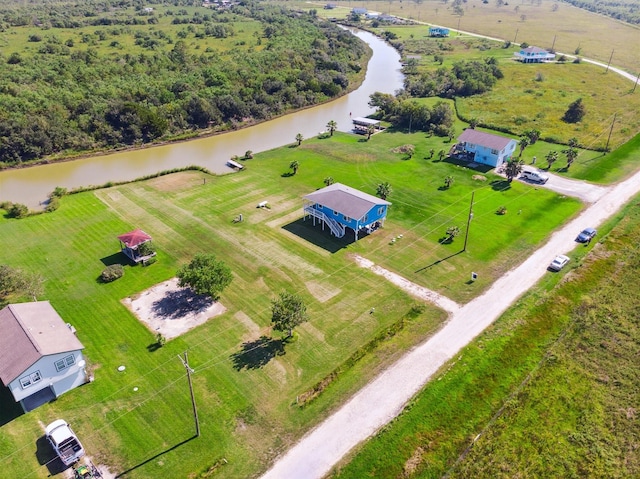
(380, 210)
(365, 219)
(335, 213)
(65, 362)
(33, 378)
(494, 152)
(346, 218)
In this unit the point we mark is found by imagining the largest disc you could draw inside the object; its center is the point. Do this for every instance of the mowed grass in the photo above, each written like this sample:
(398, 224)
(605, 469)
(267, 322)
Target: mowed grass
(247, 400)
(550, 390)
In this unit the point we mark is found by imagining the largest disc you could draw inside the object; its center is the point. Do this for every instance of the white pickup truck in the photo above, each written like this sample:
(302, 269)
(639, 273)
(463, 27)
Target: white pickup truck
(64, 442)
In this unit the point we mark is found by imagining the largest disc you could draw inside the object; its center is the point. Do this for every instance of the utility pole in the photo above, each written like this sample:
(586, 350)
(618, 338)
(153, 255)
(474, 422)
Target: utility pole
(553, 44)
(516, 35)
(466, 233)
(185, 362)
(609, 61)
(636, 84)
(606, 148)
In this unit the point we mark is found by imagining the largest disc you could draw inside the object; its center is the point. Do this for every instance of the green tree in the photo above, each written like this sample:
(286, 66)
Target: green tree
(294, 165)
(524, 142)
(328, 181)
(299, 138)
(370, 131)
(431, 152)
(441, 155)
(533, 135)
(452, 232)
(332, 126)
(288, 310)
(16, 282)
(383, 190)
(513, 168)
(448, 181)
(571, 154)
(575, 112)
(551, 158)
(205, 274)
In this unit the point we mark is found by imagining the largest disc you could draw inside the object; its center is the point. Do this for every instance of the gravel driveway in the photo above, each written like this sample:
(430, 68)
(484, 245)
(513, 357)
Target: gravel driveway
(384, 398)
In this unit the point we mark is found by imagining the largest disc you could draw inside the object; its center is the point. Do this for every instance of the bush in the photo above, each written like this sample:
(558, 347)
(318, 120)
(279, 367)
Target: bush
(53, 204)
(146, 249)
(18, 210)
(111, 273)
(58, 192)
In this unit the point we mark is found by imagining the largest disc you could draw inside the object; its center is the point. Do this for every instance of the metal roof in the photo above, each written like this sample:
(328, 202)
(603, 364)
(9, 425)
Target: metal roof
(345, 200)
(134, 238)
(29, 332)
(481, 138)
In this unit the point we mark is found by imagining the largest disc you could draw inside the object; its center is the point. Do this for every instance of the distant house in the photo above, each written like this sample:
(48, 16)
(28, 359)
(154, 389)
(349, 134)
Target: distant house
(485, 148)
(130, 245)
(358, 11)
(438, 32)
(40, 355)
(534, 55)
(330, 6)
(340, 207)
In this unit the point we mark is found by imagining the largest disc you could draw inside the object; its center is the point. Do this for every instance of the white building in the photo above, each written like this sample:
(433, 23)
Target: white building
(40, 355)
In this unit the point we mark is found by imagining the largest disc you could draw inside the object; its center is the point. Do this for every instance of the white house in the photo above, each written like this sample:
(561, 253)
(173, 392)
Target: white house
(40, 355)
(485, 148)
(534, 55)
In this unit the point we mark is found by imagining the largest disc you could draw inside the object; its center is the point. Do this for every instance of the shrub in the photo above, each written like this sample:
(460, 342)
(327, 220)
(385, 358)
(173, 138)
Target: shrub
(53, 204)
(111, 273)
(18, 210)
(502, 210)
(58, 192)
(146, 249)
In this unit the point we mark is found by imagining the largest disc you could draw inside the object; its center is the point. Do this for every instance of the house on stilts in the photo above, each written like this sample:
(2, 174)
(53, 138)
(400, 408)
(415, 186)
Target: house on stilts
(340, 207)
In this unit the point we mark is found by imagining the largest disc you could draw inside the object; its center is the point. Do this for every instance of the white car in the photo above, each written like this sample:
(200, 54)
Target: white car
(535, 176)
(64, 442)
(558, 263)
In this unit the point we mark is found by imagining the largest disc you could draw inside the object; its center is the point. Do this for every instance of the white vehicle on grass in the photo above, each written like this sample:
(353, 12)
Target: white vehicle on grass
(64, 442)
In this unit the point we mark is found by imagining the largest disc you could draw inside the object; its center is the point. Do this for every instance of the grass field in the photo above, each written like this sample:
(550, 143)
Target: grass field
(550, 390)
(547, 23)
(245, 388)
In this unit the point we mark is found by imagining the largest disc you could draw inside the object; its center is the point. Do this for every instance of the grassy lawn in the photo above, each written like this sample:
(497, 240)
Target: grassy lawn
(246, 390)
(550, 390)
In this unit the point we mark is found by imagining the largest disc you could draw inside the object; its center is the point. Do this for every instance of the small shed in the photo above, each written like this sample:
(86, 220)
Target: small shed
(339, 207)
(130, 244)
(40, 355)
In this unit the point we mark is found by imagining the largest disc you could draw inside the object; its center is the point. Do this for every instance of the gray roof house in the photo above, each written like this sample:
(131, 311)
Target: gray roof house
(40, 355)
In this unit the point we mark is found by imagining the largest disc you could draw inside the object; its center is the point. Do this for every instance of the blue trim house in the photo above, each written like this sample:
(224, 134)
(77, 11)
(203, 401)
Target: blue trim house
(485, 148)
(438, 32)
(340, 207)
(534, 55)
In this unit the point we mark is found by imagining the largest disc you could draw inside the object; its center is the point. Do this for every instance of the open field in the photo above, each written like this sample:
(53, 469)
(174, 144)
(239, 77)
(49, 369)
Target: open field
(547, 23)
(550, 390)
(246, 382)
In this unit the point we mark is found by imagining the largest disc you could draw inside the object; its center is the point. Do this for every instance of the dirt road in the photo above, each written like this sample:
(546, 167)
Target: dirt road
(383, 399)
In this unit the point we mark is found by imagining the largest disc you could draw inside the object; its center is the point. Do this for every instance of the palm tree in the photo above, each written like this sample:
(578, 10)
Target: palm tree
(452, 232)
(573, 142)
(533, 135)
(294, 165)
(431, 153)
(328, 181)
(513, 169)
(332, 126)
(524, 142)
(299, 138)
(448, 181)
(370, 131)
(571, 154)
(383, 190)
(441, 155)
(551, 158)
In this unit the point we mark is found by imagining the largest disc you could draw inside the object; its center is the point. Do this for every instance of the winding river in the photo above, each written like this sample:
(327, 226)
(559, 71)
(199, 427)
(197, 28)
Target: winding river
(30, 186)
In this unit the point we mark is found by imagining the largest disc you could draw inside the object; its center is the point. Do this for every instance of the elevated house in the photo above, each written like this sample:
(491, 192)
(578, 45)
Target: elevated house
(534, 55)
(484, 148)
(339, 207)
(130, 245)
(438, 32)
(358, 11)
(40, 355)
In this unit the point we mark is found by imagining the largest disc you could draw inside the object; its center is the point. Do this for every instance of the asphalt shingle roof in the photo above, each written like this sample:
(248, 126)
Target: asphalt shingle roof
(346, 200)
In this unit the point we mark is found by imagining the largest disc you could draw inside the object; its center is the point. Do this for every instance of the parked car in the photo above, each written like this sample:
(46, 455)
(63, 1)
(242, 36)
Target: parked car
(535, 176)
(64, 442)
(586, 235)
(558, 263)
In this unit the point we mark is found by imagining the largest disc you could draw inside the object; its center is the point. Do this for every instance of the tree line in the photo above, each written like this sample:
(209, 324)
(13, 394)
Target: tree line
(97, 92)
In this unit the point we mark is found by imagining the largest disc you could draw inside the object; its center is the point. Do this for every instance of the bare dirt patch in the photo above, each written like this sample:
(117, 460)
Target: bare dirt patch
(172, 311)
(322, 292)
(176, 181)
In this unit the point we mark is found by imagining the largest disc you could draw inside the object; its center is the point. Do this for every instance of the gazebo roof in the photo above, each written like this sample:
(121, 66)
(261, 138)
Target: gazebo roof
(134, 238)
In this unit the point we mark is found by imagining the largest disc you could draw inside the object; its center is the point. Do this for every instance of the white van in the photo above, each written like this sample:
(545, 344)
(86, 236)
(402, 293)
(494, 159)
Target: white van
(535, 176)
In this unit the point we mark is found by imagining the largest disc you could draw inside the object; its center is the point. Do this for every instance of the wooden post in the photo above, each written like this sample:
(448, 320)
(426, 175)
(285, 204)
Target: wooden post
(185, 362)
(466, 233)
